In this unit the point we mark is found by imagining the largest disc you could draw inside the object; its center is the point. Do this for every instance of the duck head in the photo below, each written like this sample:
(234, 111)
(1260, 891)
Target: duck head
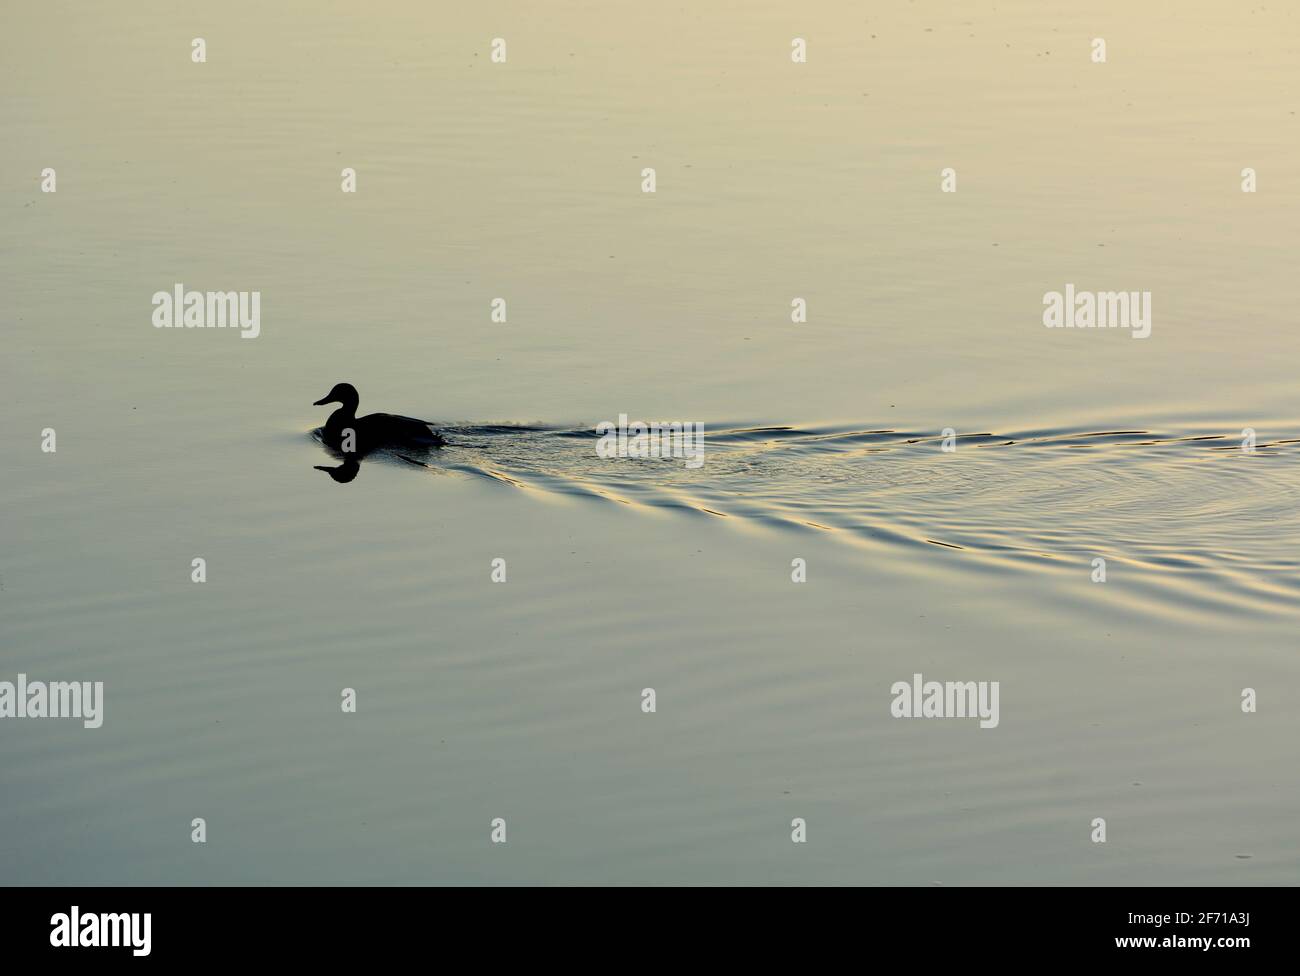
(343, 393)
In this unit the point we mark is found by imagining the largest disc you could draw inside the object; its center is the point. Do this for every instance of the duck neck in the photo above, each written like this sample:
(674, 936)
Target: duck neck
(344, 416)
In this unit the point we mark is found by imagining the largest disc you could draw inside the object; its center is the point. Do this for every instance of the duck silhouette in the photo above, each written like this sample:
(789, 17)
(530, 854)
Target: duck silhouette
(354, 436)
(344, 473)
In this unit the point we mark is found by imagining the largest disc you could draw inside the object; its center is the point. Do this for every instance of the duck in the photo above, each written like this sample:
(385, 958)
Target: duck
(373, 430)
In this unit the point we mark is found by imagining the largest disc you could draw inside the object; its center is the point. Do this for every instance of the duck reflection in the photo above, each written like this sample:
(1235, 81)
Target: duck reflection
(342, 473)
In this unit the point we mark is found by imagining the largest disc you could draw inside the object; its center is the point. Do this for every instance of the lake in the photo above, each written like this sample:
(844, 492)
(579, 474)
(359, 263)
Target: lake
(885, 419)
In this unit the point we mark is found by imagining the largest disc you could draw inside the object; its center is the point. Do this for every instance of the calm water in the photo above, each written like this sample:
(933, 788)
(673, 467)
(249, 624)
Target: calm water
(823, 442)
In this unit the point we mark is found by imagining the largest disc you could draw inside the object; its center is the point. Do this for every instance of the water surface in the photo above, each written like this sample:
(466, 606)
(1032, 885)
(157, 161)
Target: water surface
(823, 443)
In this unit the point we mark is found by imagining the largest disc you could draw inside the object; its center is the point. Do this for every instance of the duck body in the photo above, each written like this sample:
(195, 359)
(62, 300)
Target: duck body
(373, 430)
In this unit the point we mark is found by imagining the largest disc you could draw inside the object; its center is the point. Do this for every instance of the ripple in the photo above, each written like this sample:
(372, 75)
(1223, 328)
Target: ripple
(1185, 514)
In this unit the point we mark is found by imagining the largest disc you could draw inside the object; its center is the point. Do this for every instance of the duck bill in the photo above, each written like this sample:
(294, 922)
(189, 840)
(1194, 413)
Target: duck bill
(322, 401)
